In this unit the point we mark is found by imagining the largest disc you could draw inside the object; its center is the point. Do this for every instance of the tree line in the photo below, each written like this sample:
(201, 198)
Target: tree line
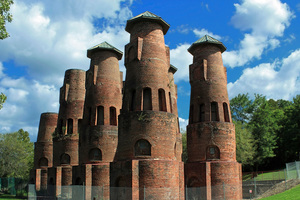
(267, 131)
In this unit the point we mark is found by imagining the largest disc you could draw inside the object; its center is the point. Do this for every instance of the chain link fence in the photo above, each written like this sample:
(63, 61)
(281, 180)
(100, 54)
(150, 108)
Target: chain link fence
(14, 186)
(255, 185)
(293, 170)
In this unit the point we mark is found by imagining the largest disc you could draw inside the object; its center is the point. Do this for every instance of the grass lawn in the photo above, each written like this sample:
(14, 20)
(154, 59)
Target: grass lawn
(277, 175)
(8, 197)
(292, 194)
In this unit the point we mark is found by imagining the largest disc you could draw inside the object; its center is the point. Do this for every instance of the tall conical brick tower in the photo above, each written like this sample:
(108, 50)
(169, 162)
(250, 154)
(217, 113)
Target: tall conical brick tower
(43, 150)
(66, 138)
(211, 134)
(99, 129)
(147, 154)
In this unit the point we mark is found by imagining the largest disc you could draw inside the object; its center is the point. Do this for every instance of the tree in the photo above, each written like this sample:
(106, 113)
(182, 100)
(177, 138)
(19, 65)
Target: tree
(184, 147)
(5, 16)
(16, 153)
(289, 135)
(265, 125)
(240, 107)
(245, 144)
(2, 100)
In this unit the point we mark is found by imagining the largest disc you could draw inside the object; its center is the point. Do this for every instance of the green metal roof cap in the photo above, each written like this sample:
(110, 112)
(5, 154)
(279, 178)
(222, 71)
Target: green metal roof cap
(104, 46)
(173, 69)
(207, 40)
(147, 16)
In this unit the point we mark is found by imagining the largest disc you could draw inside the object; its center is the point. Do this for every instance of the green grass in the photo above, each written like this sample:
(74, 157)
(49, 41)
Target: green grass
(292, 194)
(8, 197)
(278, 175)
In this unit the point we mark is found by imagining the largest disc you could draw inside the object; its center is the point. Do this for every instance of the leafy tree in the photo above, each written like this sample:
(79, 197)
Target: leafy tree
(245, 144)
(16, 153)
(240, 107)
(5, 16)
(265, 125)
(184, 147)
(2, 100)
(289, 135)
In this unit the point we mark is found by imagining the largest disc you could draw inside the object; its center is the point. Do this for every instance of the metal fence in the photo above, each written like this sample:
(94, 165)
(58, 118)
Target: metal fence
(293, 170)
(256, 185)
(14, 186)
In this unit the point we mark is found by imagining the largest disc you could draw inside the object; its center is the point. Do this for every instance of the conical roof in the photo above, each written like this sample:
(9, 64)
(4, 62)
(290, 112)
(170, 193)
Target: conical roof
(104, 46)
(147, 16)
(207, 40)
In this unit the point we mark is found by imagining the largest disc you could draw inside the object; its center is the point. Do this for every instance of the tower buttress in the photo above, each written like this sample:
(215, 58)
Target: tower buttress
(148, 152)
(210, 133)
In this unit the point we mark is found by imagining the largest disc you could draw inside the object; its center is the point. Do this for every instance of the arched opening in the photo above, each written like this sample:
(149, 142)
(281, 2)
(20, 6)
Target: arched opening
(201, 113)
(61, 127)
(191, 114)
(142, 148)
(193, 182)
(147, 99)
(132, 101)
(113, 116)
(120, 182)
(100, 115)
(170, 101)
(43, 162)
(70, 126)
(212, 153)
(226, 113)
(89, 116)
(162, 100)
(65, 159)
(79, 124)
(214, 111)
(95, 154)
(78, 181)
(50, 187)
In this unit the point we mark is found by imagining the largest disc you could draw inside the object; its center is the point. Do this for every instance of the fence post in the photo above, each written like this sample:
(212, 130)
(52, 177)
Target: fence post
(285, 179)
(255, 192)
(83, 195)
(186, 193)
(298, 175)
(287, 170)
(224, 191)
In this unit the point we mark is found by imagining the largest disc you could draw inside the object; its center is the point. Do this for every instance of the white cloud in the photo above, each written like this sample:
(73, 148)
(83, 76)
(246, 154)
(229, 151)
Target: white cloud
(181, 59)
(203, 31)
(26, 100)
(48, 37)
(50, 41)
(277, 80)
(183, 123)
(265, 20)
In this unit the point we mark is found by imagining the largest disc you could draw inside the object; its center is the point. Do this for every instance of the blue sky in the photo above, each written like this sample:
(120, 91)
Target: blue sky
(48, 37)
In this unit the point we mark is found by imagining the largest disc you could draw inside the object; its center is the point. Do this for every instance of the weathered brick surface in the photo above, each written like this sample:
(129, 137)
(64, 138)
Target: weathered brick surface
(72, 95)
(141, 148)
(149, 114)
(211, 133)
(43, 147)
(157, 179)
(103, 88)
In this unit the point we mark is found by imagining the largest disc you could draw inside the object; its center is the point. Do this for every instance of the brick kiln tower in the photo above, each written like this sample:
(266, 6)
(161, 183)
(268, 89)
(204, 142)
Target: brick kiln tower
(147, 158)
(65, 140)
(43, 148)
(211, 133)
(99, 129)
